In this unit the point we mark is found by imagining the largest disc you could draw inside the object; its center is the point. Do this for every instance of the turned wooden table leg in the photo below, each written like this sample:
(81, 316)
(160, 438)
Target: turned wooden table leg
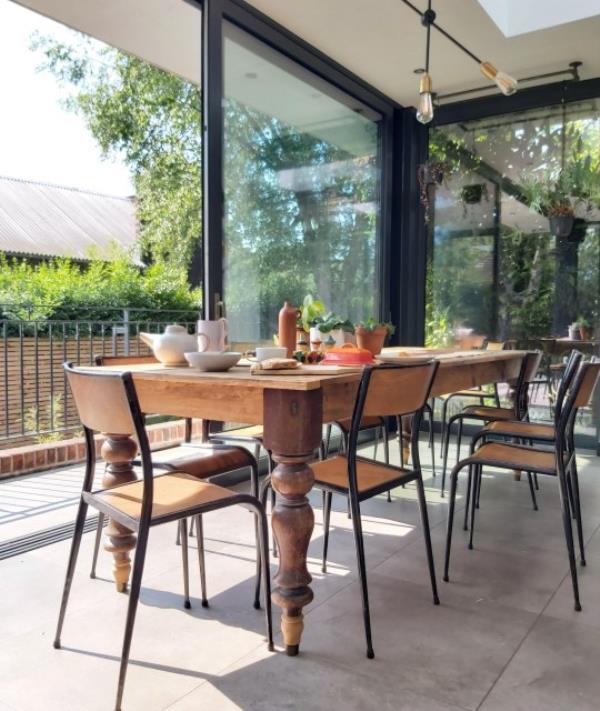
(119, 451)
(292, 432)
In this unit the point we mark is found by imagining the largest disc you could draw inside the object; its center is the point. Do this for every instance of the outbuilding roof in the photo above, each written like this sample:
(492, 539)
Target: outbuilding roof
(44, 220)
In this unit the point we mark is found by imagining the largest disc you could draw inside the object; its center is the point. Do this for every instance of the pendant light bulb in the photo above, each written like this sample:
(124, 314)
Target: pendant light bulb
(504, 82)
(425, 109)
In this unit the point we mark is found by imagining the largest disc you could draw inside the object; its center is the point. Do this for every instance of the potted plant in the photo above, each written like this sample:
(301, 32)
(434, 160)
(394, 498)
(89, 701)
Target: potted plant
(473, 194)
(371, 334)
(585, 330)
(332, 325)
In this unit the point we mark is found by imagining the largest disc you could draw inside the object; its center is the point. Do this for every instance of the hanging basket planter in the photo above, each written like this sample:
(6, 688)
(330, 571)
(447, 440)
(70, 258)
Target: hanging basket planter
(429, 175)
(473, 194)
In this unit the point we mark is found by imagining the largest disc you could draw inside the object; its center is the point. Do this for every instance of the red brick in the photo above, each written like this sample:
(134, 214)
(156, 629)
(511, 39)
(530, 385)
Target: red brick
(71, 452)
(51, 455)
(28, 461)
(17, 463)
(5, 465)
(61, 454)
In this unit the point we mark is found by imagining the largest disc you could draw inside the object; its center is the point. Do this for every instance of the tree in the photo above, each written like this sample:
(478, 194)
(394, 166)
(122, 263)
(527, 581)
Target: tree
(151, 119)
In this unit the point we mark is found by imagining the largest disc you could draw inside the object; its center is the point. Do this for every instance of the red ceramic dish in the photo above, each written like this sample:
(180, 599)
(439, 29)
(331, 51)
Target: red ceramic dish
(348, 354)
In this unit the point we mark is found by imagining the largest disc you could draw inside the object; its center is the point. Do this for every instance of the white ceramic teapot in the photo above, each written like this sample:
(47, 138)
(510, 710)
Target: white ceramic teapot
(169, 347)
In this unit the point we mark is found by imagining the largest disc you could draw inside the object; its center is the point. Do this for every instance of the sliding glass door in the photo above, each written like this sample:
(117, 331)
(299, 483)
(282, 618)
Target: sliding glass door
(301, 191)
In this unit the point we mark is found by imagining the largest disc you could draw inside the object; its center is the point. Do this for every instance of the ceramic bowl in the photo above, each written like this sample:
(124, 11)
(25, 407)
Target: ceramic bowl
(212, 361)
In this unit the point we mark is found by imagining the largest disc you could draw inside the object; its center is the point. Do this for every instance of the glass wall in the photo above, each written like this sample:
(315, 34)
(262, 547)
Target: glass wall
(302, 175)
(514, 224)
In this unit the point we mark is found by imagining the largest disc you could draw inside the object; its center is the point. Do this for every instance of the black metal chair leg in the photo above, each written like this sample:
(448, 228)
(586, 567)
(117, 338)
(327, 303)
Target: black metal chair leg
(444, 425)
(432, 443)
(400, 440)
(577, 502)
(134, 596)
(566, 517)
(186, 569)
(468, 496)
(532, 491)
(535, 481)
(362, 570)
(570, 495)
(263, 544)
(448, 431)
(453, 482)
(386, 453)
(201, 558)
(327, 440)
(191, 532)
(327, 496)
(75, 544)
(478, 471)
(97, 542)
(459, 439)
(427, 535)
(178, 537)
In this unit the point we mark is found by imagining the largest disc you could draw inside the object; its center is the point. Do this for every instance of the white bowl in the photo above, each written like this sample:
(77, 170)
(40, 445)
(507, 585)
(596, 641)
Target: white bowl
(212, 361)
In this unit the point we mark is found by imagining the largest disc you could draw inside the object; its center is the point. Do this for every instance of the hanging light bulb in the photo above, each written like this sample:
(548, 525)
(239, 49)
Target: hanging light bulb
(504, 82)
(425, 110)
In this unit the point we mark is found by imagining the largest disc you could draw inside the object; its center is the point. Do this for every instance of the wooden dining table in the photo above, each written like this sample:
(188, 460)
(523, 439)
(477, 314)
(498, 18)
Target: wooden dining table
(291, 410)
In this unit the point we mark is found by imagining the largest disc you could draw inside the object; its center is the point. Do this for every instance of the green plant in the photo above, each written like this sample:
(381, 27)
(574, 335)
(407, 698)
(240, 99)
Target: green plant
(330, 322)
(46, 420)
(549, 196)
(310, 311)
(371, 324)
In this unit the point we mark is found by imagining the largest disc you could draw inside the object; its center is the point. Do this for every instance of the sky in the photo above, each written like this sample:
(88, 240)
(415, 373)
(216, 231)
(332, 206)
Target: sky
(39, 139)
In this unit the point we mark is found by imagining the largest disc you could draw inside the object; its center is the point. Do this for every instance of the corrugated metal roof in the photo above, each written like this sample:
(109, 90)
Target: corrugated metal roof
(39, 219)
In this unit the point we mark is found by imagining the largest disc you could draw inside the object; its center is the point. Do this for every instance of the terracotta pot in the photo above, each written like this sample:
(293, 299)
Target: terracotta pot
(371, 340)
(585, 333)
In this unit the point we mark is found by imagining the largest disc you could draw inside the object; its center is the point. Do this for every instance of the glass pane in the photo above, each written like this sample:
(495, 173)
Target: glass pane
(499, 267)
(301, 192)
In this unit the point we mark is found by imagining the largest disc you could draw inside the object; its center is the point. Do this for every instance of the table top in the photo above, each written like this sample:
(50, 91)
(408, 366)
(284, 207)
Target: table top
(240, 376)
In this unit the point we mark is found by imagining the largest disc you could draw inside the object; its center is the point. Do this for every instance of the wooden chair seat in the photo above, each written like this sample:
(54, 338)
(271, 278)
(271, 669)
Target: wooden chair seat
(516, 428)
(366, 423)
(173, 493)
(511, 456)
(205, 461)
(475, 392)
(333, 473)
(488, 413)
(251, 433)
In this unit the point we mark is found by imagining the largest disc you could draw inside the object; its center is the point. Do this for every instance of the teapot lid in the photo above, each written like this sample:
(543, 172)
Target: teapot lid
(175, 328)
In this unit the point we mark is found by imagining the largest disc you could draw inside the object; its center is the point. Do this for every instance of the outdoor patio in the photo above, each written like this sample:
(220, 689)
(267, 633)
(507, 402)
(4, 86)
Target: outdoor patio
(504, 636)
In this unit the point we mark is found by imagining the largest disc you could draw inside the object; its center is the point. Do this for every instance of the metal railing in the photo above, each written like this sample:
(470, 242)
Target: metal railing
(35, 400)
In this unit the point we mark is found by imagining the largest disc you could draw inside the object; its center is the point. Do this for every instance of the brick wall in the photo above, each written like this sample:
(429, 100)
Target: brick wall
(38, 457)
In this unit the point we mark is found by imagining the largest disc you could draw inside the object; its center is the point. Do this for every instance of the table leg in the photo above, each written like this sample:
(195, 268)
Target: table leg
(292, 432)
(118, 451)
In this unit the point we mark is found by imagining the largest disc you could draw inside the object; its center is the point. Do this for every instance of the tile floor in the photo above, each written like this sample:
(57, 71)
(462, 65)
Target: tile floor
(504, 637)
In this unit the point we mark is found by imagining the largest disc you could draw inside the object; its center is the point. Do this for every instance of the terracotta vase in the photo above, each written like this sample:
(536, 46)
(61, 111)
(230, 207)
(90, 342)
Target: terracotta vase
(371, 340)
(287, 327)
(585, 333)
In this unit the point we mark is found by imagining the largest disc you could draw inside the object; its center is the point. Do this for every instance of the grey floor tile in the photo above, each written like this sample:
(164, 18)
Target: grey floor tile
(555, 669)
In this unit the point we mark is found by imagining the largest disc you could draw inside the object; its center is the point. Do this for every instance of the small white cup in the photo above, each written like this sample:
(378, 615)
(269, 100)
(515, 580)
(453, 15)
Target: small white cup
(264, 353)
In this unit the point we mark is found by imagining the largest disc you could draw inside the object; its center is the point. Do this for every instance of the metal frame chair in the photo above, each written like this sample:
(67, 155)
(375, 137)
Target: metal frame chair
(107, 402)
(386, 390)
(529, 366)
(553, 463)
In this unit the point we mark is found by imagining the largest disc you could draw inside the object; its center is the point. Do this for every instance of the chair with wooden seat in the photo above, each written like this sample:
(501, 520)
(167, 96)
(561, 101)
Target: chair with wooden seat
(519, 410)
(529, 432)
(478, 393)
(551, 462)
(202, 460)
(107, 402)
(386, 390)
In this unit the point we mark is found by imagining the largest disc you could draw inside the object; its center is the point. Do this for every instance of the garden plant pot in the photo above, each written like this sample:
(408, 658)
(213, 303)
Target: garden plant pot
(472, 194)
(371, 340)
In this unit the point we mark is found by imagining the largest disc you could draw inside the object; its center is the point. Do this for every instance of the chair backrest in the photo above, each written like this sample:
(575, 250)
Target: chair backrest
(392, 389)
(108, 403)
(124, 359)
(527, 372)
(571, 368)
(579, 395)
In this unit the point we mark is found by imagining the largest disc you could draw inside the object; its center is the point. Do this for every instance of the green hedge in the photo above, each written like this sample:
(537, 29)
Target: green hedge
(61, 289)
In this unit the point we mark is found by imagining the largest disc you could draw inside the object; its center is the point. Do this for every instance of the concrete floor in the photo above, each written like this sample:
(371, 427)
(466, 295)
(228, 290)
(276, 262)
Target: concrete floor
(504, 637)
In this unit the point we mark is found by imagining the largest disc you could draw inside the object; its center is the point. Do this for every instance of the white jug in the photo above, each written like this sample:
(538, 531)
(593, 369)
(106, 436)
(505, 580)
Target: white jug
(212, 335)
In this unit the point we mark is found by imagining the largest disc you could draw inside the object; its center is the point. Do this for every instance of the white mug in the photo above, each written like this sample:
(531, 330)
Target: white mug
(212, 335)
(263, 353)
